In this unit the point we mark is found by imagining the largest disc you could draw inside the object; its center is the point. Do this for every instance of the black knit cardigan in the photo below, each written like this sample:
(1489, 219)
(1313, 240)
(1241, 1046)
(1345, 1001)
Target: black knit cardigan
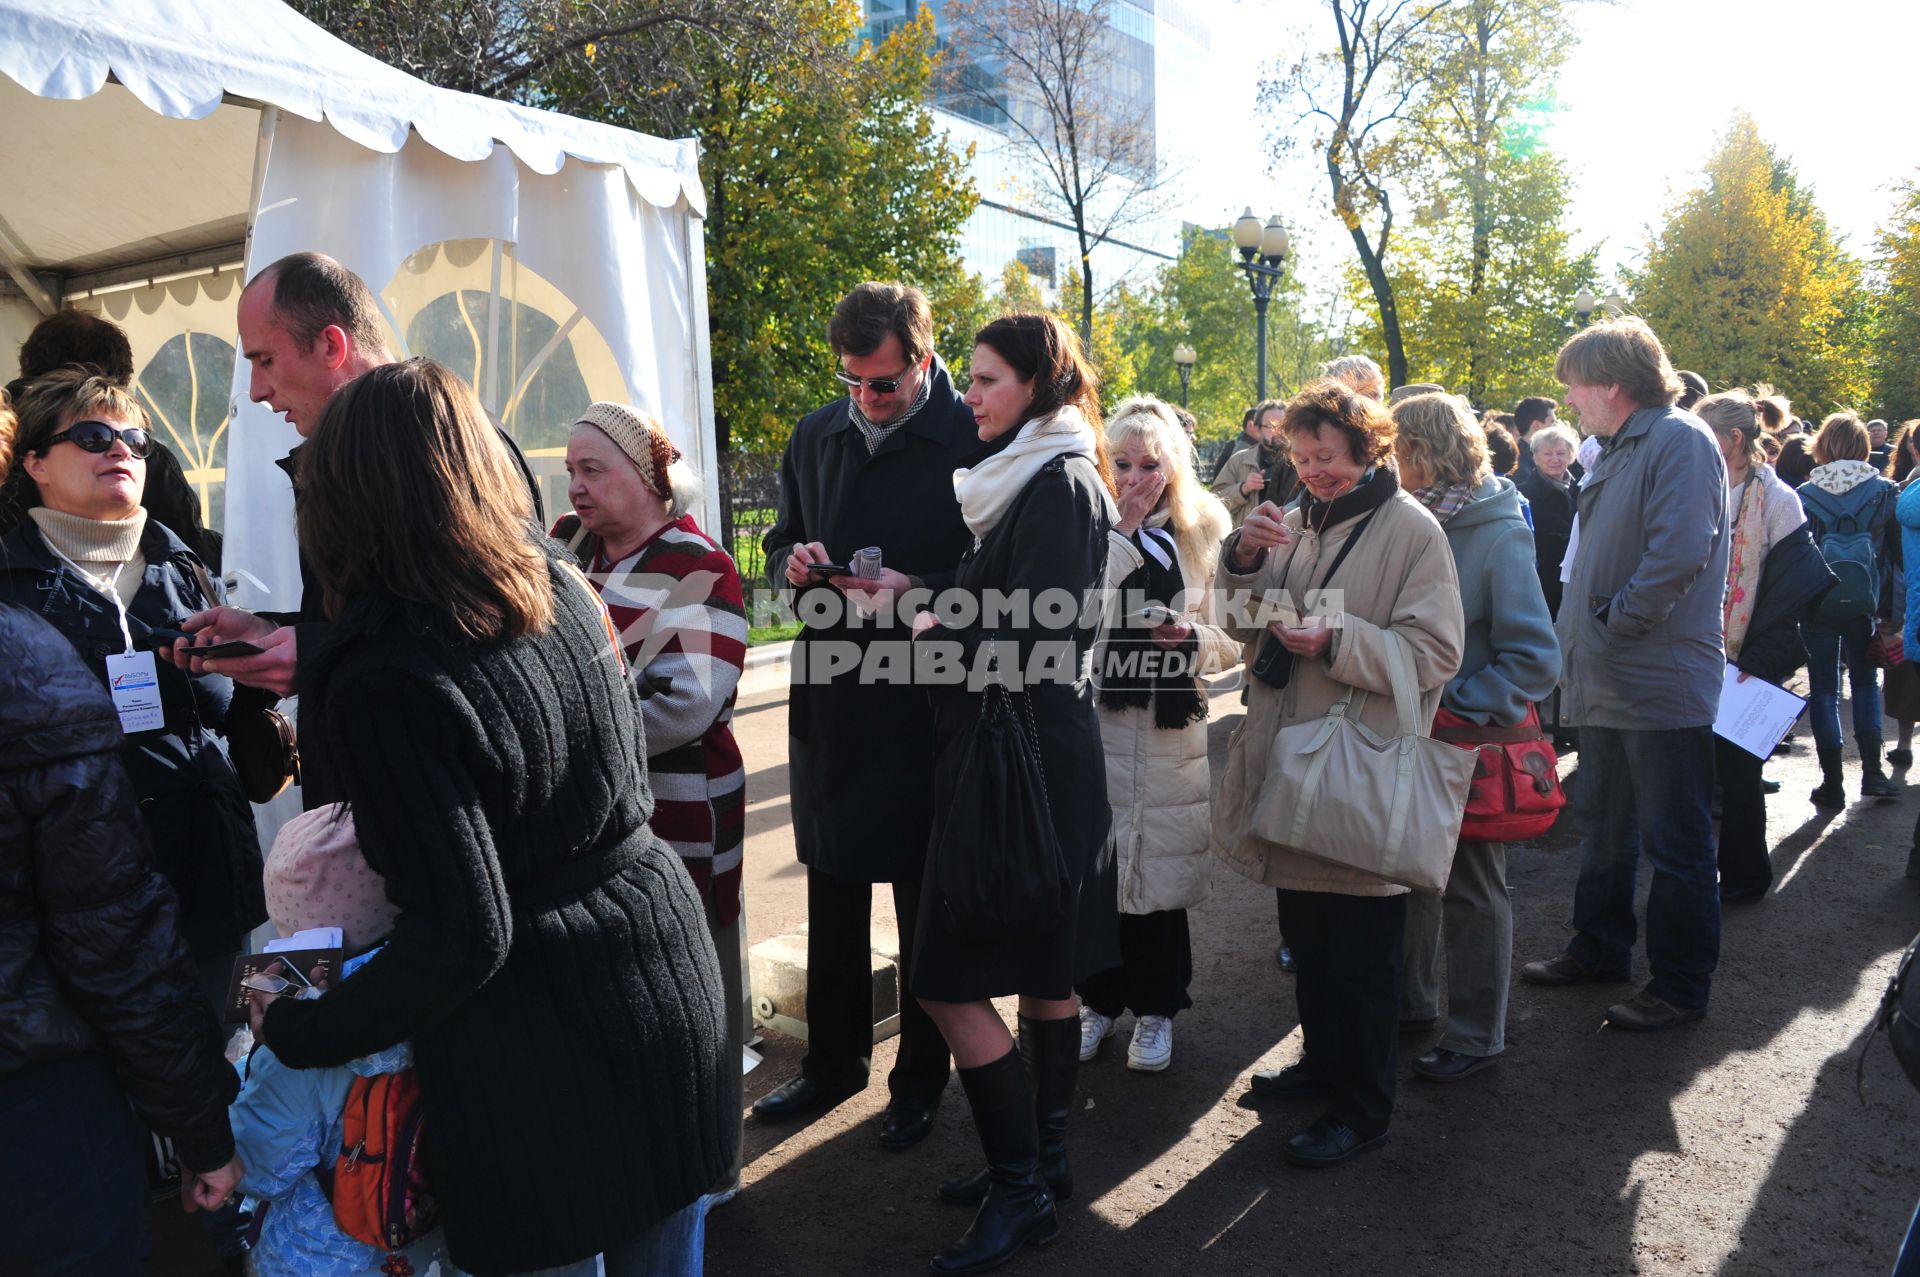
(551, 963)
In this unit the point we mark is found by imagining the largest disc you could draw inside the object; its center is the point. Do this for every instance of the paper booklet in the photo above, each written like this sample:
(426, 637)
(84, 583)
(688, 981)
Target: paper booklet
(299, 954)
(1755, 715)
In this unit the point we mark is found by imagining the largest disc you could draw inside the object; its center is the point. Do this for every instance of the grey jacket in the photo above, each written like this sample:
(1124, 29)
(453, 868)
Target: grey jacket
(1512, 657)
(1640, 626)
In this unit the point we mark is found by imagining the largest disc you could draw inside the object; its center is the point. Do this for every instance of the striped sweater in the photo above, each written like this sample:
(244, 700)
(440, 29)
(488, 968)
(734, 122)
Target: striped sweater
(676, 604)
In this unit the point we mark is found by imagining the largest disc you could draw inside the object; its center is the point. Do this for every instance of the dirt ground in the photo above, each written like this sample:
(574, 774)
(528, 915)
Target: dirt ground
(1735, 1145)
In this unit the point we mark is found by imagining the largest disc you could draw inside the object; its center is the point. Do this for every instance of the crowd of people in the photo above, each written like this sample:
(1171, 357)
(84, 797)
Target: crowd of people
(524, 807)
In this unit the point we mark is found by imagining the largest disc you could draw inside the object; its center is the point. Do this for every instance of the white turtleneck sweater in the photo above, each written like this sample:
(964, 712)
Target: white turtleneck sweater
(97, 547)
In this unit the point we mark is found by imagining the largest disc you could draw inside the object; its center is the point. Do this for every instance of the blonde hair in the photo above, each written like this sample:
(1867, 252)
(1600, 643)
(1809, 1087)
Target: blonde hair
(1841, 438)
(1439, 435)
(1734, 411)
(48, 403)
(1556, 433)
(1195, 516)
(1359, 373)
(1623, 353)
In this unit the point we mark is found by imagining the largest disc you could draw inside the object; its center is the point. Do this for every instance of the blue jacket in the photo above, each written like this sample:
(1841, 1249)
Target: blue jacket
(1512, 657)
(1907, 512)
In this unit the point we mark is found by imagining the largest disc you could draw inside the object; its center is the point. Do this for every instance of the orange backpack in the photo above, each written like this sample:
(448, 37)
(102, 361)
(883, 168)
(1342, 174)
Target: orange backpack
(379, 1186)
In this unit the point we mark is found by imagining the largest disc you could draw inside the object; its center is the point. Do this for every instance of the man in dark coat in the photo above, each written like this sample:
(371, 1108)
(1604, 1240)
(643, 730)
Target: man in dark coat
(873, 470)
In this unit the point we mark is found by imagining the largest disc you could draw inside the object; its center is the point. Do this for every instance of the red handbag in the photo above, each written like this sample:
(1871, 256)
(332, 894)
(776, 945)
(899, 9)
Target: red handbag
(1516, 792)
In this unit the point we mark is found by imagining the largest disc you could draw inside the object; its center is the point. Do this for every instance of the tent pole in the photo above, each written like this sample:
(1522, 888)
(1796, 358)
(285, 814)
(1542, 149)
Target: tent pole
(13, 256)
(262, 152)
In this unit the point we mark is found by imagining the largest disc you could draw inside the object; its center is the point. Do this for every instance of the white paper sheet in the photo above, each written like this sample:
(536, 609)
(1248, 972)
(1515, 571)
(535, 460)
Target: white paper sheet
(1755, 715)
(1573, 548)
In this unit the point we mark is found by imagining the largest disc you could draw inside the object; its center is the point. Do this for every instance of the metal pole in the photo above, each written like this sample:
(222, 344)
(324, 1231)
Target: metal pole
(1260, 296)
(1186, 376)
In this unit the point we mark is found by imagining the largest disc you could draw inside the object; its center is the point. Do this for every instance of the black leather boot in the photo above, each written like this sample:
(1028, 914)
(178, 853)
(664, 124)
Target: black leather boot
(1051, 1052)
(1832, 792)
(1873, 777)
(1017, 1209)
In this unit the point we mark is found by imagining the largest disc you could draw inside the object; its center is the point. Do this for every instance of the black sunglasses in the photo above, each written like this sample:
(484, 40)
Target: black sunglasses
(878, 385)
(98, 436)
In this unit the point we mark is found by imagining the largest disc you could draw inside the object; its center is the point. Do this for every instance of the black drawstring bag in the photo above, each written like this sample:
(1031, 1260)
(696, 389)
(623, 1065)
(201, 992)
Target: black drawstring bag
(999, 866)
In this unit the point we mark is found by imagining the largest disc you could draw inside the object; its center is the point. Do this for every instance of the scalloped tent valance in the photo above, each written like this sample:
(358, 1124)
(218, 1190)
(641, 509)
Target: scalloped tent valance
(183, 58)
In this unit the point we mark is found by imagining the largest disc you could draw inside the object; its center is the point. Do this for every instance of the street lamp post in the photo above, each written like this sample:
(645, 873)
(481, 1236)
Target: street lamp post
(1183, 360)
(1583, 304)
(1269, 244)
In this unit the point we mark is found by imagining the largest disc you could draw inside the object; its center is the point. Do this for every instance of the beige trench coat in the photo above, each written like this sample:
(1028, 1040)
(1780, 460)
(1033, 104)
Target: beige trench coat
(1400, 577)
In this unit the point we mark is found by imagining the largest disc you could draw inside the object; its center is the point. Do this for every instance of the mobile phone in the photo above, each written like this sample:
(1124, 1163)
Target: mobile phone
(220, 651)
(1155, 614)
(821, 571)
(159, 636)
(261, 982)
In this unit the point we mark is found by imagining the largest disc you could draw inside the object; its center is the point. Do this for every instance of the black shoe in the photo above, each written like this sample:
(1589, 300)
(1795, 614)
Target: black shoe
(1740, 895)
(1566, 969)
(803, 1097)
(1831, 795)
(1291, 1083)
(1328, 1143)
(1018, 1208)
(1284, 956)
(1829, 798)
(1442, 1065)
(1050, 1049)
(906, 1123)
(1900, 757)
(1878, 785)
(1647, 1013)
(1769, 786)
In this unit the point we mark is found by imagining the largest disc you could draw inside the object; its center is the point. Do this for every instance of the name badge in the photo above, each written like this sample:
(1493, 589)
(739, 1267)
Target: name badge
(134, 680)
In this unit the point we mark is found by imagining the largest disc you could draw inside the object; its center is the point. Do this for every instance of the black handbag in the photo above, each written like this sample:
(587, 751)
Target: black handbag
(1899, 1015)
(998, 866)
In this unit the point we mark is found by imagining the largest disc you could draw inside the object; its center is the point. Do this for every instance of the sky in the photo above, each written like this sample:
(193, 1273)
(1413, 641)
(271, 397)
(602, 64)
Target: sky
(1650, 87)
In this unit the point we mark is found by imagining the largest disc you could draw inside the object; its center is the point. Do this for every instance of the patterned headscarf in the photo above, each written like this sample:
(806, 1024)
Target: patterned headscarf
(639, 436)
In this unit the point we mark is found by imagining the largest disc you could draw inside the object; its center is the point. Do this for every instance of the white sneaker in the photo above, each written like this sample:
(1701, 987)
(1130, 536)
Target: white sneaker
(1094, 1029)
(1152, 1047)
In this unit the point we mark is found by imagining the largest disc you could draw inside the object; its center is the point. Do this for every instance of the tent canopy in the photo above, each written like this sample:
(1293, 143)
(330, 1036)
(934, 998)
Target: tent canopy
(157, 151)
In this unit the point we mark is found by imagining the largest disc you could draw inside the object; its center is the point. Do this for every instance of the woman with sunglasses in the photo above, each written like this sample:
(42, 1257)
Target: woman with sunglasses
(95, 566)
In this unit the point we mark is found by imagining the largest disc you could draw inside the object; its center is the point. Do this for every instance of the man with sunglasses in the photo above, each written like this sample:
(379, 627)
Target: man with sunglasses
(873, 470)
(308, 326)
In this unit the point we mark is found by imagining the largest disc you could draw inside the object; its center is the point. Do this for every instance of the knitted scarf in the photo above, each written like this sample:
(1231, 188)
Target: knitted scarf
(986, 491)
(1134, 671)
(1372, 492)
(1443, 500)
(1749, 553)
(875, 435)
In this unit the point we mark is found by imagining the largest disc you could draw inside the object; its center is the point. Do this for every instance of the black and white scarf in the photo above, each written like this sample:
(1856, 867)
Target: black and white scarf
(1134, 671)
(877, 435)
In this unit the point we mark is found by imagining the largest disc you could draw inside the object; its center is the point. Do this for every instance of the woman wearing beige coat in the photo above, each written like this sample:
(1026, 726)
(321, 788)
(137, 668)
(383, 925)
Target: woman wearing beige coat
(1160, 637)
(1391, 576)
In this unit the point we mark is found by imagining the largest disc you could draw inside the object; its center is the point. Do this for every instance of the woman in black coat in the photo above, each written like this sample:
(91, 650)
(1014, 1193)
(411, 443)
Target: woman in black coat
(101, 1002)
(89, 551)
(550, 964)
(1551, 490)
(1039, 507)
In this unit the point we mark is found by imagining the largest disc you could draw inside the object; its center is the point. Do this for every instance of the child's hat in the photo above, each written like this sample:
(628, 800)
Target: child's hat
(316, 877)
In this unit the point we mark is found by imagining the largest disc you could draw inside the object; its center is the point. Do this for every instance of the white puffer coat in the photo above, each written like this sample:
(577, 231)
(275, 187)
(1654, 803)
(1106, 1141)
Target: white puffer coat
(1158, 781)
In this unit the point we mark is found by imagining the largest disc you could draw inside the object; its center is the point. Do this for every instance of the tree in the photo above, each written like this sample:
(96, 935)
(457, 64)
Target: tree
(1896, 374)
(1201, 298)
(1745, 282)
(1048, 68)
(1356, 97)
(820, 158)
(1495, 246)
(1486, 289)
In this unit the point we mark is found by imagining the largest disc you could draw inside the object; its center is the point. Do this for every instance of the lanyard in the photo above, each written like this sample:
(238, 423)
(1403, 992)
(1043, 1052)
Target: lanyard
(112, 593)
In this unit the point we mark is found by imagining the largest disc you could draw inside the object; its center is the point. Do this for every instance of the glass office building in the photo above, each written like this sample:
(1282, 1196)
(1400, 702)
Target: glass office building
(1158, 56)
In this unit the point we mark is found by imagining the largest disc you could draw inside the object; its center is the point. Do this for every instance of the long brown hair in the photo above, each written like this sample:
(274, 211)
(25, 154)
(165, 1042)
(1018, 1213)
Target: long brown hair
(1041, 349)
(406, 490)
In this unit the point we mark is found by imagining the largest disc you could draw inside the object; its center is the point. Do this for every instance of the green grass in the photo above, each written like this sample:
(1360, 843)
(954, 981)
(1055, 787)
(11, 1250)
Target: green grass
(759, 634)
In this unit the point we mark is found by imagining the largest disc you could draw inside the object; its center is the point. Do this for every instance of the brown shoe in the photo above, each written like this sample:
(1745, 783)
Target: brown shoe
(1564, 968)
(1646, 1013)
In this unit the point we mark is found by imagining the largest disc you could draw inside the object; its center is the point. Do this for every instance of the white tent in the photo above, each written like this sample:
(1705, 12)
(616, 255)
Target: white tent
(155, 153)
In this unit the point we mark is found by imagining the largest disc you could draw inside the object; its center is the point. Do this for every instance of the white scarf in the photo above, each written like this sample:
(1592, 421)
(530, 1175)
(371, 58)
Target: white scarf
(988, 489)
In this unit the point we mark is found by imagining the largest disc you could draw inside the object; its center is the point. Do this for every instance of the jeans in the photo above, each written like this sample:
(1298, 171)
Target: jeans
(1648, 790)
(73, 1182)
(1827, 649)
(674, 1247)
(1473, 923)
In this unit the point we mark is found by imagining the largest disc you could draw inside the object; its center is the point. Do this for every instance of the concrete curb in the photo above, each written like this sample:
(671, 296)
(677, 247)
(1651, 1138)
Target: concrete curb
(768, 654)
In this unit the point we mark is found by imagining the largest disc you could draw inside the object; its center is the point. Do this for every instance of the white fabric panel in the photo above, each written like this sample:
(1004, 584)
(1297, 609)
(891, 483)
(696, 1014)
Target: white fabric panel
(181, 57)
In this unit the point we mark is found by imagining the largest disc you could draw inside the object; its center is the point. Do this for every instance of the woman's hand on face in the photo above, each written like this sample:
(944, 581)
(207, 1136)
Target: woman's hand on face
(1309, 640)
(1137, 502)
(1171, 635)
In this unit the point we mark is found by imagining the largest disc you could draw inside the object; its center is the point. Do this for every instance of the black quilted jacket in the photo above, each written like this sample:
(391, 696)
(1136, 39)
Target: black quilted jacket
(90, 950)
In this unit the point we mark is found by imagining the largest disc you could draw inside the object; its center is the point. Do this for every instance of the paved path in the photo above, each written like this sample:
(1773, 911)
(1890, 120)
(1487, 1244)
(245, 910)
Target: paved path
(1736, 1145)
